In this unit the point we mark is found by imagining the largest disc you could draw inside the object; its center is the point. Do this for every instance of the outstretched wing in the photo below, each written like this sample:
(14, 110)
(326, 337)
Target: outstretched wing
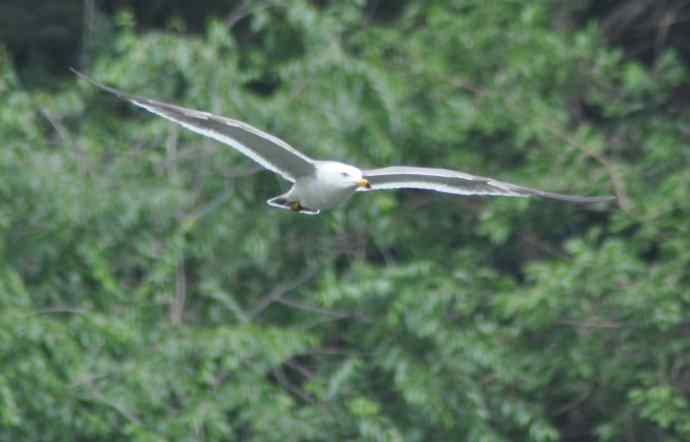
(270, 152)
(459, 183)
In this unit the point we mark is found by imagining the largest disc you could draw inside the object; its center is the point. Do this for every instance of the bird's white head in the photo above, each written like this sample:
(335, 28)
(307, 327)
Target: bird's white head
(342, 175)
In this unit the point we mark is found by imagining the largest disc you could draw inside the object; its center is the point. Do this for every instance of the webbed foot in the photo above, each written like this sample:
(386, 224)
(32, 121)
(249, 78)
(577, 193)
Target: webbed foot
(293, 206)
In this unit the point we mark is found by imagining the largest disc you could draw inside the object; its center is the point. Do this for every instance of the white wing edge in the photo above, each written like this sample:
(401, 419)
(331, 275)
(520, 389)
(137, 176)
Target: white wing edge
(221, 138)
(150, 106)
(416, 181)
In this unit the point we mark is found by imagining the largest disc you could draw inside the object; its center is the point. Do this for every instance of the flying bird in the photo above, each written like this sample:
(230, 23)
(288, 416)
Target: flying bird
(319, 185)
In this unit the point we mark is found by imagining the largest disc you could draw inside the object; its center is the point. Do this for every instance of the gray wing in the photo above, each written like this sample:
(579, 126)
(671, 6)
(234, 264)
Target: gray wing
(458, 183)
(270, 152)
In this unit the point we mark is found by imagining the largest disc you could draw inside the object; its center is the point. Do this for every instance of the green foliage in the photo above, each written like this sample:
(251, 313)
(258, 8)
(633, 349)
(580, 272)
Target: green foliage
(147, 292)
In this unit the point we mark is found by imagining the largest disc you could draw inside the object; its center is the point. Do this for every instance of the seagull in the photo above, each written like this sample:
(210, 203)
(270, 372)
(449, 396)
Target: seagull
(318, 185)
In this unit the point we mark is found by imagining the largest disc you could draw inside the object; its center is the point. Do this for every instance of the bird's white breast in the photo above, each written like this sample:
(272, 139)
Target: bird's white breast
(319, 192)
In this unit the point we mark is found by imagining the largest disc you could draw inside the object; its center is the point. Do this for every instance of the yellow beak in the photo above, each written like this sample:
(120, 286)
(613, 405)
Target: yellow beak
(363, 184)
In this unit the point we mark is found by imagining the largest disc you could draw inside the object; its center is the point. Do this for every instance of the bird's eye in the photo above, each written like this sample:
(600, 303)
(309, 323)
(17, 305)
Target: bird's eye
(345, 174)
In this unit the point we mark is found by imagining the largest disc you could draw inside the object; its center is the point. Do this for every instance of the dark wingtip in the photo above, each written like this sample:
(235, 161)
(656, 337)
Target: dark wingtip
(77, 73)
(84, 77)
(99, 85)
(598, 199)
(577, 199)
(587, 199)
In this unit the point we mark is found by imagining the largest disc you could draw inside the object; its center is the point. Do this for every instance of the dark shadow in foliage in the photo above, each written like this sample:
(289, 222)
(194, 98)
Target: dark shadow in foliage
(43, 37)
(644, 28)
(158, 13)
(385, 11)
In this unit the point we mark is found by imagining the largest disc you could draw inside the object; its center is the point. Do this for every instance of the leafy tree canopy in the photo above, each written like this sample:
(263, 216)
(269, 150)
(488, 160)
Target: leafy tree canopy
(147, 293)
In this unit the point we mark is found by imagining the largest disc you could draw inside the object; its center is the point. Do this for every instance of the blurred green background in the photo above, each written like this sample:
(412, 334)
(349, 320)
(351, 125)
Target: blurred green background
(147, 293)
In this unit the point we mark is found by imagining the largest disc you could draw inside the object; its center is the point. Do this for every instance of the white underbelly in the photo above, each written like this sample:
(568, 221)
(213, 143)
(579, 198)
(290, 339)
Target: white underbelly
(318, 195)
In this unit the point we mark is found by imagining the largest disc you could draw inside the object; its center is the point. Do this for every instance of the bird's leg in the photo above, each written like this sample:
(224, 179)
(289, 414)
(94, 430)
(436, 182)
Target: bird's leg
(295, 206)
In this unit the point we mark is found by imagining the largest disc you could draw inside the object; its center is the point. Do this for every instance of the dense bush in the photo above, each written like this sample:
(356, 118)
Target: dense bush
(148, 293)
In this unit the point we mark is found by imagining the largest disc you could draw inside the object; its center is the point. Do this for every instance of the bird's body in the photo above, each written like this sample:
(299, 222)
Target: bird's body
(332, 184)
(319, 185)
